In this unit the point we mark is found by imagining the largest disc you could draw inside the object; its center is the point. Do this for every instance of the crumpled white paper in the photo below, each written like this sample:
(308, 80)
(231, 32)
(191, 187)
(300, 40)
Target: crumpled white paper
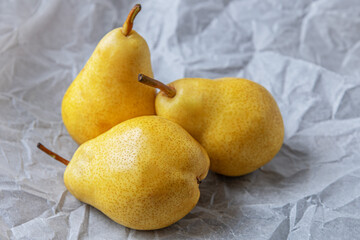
(305, 52)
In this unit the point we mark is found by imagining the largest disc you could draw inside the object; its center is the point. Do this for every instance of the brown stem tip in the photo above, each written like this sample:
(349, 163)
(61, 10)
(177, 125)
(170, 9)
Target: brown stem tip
(128, 24)
(169, 91)
(52, 154)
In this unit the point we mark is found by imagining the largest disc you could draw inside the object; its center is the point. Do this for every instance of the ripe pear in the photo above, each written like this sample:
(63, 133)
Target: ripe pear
(143, 173)
(236, 120)
(106, 91)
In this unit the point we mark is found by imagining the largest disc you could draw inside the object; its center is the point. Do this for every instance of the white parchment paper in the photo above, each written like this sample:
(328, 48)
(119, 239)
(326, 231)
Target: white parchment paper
(305, 52)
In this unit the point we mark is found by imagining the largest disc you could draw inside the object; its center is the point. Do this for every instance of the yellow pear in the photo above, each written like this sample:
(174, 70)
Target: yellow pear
(143, 173)
(106, 91)
(236, 120)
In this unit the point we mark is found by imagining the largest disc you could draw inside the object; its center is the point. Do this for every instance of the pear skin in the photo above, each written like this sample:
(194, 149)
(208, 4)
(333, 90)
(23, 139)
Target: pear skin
(236, 120)
(143, 173)
(106, 91)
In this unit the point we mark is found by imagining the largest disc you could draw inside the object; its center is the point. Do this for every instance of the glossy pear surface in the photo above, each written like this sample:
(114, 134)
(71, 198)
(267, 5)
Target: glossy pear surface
(106, 91)
(236, 120)
(142, 173)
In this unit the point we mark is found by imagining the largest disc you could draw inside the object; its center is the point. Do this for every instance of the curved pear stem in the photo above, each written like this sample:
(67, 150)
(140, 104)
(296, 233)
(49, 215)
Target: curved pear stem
(128, 24)
(169, 91)
(52, 154)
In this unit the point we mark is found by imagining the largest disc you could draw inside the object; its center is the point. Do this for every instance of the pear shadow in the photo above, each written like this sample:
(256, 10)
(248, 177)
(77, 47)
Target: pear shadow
(233, 206)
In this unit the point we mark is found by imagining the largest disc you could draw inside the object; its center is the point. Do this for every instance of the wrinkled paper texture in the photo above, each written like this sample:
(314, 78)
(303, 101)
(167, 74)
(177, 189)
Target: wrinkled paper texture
(305, 52)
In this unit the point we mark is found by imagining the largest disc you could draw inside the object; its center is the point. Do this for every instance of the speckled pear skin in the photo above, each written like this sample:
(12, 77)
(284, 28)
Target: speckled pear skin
(236, 120)
(141, 173)
(106, 91)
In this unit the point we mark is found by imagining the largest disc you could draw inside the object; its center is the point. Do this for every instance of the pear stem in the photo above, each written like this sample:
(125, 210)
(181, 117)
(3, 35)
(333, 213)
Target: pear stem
(52, 154)
(169, 91)
(128, 24)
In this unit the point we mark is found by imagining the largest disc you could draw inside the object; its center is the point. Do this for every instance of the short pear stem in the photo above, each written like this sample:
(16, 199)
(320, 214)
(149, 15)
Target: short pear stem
(52, 154)
(128, 24)
(169, 91)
